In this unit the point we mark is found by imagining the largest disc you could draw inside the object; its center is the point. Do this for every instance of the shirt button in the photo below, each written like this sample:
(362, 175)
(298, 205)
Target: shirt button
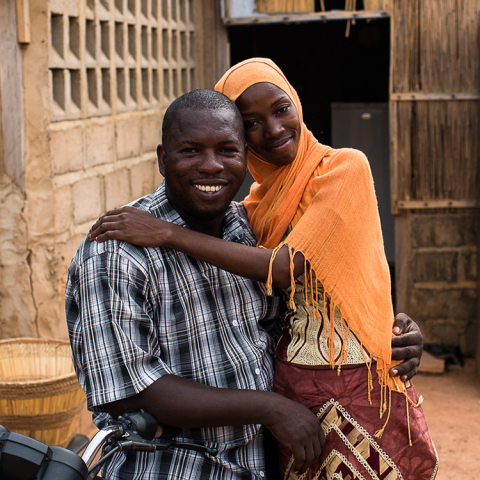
(257, 371)
(262, 473)
(235, 323)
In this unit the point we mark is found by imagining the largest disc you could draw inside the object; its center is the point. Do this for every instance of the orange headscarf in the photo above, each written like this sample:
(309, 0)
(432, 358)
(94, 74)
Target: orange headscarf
(328, 197)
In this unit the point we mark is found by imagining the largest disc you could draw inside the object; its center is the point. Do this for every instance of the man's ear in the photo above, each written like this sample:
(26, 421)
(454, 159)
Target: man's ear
(161, 159)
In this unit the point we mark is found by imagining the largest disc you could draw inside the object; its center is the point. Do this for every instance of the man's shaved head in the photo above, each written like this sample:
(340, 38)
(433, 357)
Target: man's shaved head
(200, 100)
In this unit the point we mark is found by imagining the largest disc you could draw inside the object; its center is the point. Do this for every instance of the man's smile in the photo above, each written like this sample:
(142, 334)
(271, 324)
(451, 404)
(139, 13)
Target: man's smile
(208, 188)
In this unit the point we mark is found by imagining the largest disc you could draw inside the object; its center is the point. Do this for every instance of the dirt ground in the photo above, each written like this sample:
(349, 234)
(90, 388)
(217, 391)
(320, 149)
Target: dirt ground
(452, 408)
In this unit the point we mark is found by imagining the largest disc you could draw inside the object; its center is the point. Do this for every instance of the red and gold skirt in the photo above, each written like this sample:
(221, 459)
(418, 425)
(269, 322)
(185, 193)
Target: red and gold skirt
(349, 422)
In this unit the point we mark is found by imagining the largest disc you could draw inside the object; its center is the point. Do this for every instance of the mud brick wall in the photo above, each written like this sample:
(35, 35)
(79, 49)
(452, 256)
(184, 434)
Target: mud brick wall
(97, 77)
(441, 290)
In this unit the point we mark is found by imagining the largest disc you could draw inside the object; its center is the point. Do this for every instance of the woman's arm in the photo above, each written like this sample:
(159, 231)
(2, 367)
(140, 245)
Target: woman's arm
(142, 228)
(407, 345)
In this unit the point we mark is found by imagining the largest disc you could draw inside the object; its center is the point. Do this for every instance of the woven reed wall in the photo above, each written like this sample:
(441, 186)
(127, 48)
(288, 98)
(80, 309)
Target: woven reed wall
(372, 5)
(281, 6)
(436, 45)
(437, 150)
(435, 51)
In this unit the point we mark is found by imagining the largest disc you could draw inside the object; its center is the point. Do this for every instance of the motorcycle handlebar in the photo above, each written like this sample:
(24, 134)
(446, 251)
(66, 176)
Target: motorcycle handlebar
(22, 457)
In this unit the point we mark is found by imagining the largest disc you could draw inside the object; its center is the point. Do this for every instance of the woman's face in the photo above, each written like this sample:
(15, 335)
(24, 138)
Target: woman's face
(272, 124)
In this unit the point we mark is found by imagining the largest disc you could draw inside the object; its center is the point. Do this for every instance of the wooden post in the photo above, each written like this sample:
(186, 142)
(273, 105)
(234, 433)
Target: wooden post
(214, 45)
(477, 349)
(402, 258)
(23, 21)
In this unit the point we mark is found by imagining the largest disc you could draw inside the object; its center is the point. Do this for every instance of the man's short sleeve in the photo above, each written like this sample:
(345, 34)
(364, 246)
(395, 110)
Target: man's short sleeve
(111, 325)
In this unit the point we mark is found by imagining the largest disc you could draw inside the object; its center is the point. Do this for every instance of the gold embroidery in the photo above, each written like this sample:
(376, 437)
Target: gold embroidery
(391, 476)
(340, 411)
(311, 337)
(330, 464)
(435, 470)
(333, 419)
(357, 453)
(343, 459)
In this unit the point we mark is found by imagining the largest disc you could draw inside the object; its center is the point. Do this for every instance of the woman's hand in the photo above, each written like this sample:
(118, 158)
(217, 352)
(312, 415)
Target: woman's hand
(407, 346)
(131, 225)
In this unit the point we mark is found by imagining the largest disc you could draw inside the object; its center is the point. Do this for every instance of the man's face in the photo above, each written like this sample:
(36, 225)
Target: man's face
(204, 165)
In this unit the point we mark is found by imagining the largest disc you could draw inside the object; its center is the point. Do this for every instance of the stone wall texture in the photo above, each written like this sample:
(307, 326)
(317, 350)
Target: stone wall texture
(38, 237)
(442, 277)
(99, 172)
(80, 177)
(75, 170)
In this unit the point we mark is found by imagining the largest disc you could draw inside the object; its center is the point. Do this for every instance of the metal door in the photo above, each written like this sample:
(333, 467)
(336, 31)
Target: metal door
(364, 126)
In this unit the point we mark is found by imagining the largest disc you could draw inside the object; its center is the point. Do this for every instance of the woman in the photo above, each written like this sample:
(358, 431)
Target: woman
(314, 211)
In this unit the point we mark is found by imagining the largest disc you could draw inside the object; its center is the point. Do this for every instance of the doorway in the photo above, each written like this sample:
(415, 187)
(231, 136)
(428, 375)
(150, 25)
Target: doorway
(336, 77)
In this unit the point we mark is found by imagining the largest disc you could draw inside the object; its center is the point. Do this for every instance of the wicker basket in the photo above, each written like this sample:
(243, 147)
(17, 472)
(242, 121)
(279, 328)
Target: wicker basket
(39, 393)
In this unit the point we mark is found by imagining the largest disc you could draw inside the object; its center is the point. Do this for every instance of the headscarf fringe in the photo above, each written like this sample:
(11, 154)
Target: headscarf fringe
(310, 290)
(343, 353)
(379, 433)
(324, 314)
(370, 379)
(291, 302)
(331, 337)
(314, 298)
(408, 423)
(412, 403)
(311, 283)
(306, 277)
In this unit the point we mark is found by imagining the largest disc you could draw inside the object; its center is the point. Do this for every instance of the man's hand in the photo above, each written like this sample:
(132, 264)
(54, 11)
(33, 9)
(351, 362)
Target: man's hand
(295, 426)
(131, 225)
(183, 403)
(407, 346)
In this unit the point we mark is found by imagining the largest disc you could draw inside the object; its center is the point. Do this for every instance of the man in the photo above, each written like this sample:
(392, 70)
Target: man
(153, 328)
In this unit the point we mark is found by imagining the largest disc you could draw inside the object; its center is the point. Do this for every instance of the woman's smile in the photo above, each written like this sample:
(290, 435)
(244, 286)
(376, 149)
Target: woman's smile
(282, 144)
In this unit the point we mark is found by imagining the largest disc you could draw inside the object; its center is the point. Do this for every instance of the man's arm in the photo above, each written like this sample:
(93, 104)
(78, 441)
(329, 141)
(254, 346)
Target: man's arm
(119, 356)
(180, 402)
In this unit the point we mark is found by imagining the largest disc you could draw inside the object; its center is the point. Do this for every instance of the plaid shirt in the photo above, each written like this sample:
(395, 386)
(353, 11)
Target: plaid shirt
(135, 314)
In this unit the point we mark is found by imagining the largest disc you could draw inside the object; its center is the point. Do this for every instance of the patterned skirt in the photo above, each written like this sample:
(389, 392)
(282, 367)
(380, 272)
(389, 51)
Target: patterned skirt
(350, 422)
